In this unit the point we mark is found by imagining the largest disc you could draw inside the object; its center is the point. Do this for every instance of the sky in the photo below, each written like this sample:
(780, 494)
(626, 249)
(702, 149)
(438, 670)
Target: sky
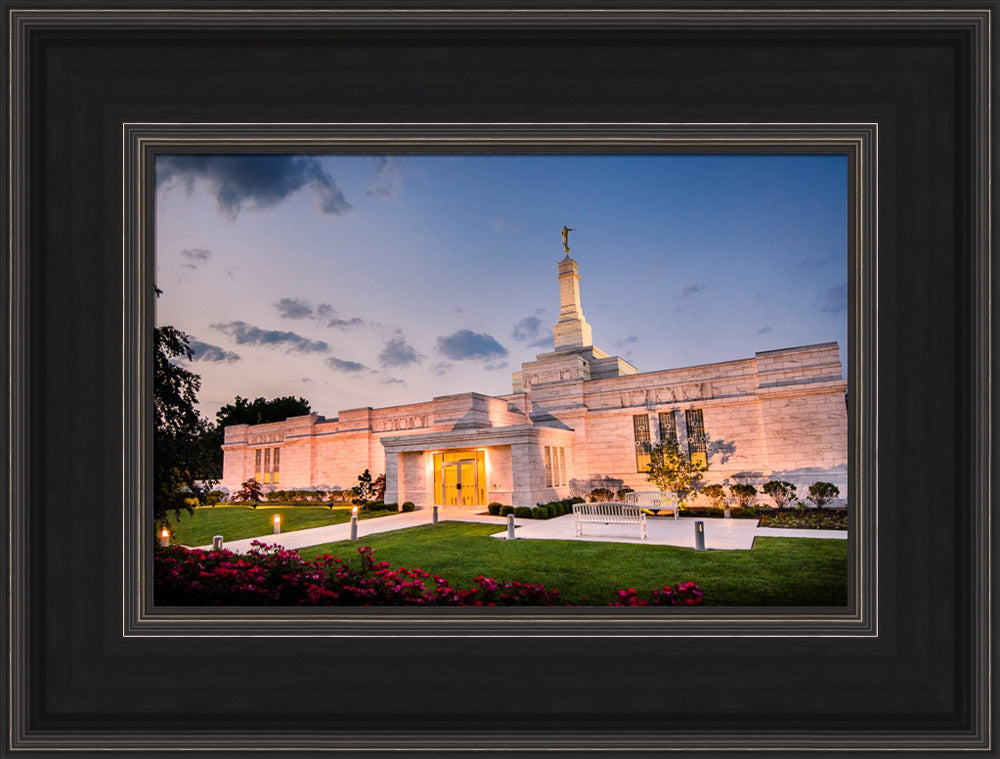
(382, 280)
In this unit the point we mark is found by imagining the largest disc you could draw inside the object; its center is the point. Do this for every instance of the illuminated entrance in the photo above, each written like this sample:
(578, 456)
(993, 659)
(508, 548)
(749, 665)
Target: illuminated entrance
(460, 478)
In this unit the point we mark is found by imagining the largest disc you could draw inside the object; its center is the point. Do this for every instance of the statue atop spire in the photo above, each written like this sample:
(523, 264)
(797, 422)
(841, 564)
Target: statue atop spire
(566, 231)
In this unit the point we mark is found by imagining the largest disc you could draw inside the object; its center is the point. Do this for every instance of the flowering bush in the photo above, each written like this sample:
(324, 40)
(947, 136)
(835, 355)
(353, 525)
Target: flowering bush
(272, 575)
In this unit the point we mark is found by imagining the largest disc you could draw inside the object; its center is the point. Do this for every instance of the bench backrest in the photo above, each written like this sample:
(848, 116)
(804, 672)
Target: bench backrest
(651, 498)
(610, 512)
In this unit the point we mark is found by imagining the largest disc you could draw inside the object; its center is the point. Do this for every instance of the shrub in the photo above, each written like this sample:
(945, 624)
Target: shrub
(744, 494)
(715, 493)
(821, 493)
(374, 506)
(408, 506)
(391, 506)
(249, 492)
(685, 594)
(598, 495)
(575, 499)
(493, 508)
(541, 512)
(505, 510)
(620, 495)
(523, 512)
(781, 492)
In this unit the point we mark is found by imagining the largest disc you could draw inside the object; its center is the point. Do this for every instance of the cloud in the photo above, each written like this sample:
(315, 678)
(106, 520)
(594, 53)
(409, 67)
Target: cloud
(467, 344)
(495, 366)
(548, 342)
(442, 368)
(765, 330)
(834, 299)
(324, 310)
(194, 257)
(627, 341)
(253, 181)
(340, 365)
(293, 308)
(205, 352)
(388, 176)
(392, 381)
(247, 334)
(691, 290)
(345, 323)
(306, 380)
(527, 328)
(397, 352)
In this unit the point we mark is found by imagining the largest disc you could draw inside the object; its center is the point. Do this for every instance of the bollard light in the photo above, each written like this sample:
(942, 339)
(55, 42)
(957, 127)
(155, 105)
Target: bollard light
(510, 527)
(165, 537)
(217, 543)
(354, 523)
(277, 523)
(699, 535)
(434, 516)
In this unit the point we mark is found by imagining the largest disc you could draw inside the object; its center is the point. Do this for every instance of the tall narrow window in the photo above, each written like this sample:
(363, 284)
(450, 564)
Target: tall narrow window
(276, 467)
(548, 466)
(267, 466)
(640, 424)
(668, 426)
(697, 447)
(256, 466)
(562, 466)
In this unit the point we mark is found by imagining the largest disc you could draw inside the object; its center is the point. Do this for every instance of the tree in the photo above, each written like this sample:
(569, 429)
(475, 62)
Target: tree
(781, 492)
(670, 470)
(180, 458)
(243, 411)
(715, 493)
(744, 494)
(249, 492)
(821, 493)
(363, 491)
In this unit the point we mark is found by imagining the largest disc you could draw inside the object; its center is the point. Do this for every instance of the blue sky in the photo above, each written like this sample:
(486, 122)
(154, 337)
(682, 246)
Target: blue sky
(380, 280)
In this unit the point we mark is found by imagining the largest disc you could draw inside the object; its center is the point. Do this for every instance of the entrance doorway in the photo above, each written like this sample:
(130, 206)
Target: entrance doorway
(460, 478)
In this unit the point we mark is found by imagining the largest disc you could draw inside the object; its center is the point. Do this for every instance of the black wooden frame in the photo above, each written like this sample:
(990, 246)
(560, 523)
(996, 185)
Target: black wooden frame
(84, 675)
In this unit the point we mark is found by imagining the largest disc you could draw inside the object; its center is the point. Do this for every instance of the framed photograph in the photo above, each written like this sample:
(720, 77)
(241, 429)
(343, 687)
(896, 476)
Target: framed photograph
(183, 166)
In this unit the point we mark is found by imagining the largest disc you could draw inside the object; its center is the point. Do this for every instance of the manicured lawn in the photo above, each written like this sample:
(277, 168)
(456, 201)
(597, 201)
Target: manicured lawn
(240, 522)
(777, 571)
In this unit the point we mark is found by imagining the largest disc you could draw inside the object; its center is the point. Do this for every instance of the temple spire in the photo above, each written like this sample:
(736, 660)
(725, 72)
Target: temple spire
(572, 330)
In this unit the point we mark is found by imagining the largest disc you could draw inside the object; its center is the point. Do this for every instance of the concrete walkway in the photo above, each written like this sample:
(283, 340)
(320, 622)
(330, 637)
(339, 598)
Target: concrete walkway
(720, 534)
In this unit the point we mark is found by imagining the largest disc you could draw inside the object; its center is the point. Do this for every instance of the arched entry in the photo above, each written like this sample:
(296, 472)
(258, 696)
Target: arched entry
(460, 478)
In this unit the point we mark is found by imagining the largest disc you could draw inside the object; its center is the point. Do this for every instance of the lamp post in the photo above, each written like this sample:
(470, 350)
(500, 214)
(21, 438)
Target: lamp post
(164, 537)
(699, 535)
(434, 515)
(277, 523)
(510, 527)
(354, 523)
(217, 543)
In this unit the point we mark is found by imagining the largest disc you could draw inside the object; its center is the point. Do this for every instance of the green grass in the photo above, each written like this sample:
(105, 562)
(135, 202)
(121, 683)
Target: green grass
(241, 522)
(776, 572)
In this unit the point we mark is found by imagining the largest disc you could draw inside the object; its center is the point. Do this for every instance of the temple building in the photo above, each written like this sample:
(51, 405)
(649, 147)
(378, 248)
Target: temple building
(576, 419)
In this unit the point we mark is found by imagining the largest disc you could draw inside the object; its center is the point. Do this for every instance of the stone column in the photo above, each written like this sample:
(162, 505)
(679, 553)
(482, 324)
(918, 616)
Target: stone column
(572, 330)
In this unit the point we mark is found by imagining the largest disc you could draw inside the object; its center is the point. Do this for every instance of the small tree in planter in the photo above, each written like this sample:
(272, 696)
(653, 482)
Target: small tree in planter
(671, 471)
(743, 494)
(781, 492)
(821, 493)
(717, 495)
(249, 492)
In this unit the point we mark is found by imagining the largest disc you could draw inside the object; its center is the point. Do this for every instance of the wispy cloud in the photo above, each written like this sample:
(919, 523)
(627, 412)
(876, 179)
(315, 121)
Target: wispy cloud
(388, 177)
(833, 300)
(194, 257)
(624, 343)
(392, 381)
(691, 289)
(397, 352)
(253, 181)
(765, 330)
(207, 352)
(468, 344)
(247, 334)
(527, 328)
(338, 323)
(294, 308)
(340, 365)
(441, 368)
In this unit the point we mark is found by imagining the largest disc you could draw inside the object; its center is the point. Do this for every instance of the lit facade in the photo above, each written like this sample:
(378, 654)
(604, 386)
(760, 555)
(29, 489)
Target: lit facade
(576, 419)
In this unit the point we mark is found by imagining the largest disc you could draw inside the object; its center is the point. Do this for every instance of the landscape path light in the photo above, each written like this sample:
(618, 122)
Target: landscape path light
(165, 537)
(354, 523)
(277, 523)
(434, 515)
(510, 527)
(217, 543)
(699, 535)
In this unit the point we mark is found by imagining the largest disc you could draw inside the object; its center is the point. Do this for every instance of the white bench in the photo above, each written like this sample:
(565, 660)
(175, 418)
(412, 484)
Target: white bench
(654, 500)
(609, 513)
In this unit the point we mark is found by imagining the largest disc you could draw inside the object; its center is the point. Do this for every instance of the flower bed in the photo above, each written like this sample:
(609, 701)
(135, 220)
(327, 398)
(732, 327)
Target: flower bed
(271, 575)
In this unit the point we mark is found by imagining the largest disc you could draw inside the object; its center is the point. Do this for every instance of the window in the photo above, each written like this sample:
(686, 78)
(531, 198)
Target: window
(640, 424)
(267, 467)
(562, 466)
(256, 467)
(548, 467)
(275, 467)
(697, 448)
(555, 466)
(668, 426)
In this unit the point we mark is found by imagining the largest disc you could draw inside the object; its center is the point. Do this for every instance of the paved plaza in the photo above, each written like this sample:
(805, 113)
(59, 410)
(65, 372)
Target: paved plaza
(720, 534)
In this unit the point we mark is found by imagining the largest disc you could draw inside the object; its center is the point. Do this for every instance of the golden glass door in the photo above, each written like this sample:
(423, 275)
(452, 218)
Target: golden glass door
(460, 478)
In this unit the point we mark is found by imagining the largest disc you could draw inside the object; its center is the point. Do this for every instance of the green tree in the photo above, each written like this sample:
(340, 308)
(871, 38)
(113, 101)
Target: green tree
(671, 471)
(781, 492)
(249, 492)
(364, 491)
(744, 494)
(821, 493)
(243, 411)
(180, 458)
